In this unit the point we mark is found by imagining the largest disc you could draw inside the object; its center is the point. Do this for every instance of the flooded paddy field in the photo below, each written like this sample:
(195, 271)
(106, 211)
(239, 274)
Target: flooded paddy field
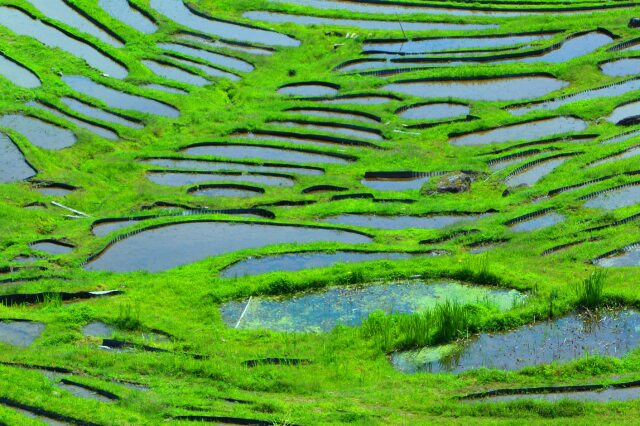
(319, 212)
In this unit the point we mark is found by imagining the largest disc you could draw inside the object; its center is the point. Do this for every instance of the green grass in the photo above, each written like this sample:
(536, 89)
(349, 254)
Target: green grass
(590, 292)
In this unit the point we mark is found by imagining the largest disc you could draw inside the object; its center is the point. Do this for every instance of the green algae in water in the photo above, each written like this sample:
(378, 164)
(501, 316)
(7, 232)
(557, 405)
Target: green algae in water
(349, 306)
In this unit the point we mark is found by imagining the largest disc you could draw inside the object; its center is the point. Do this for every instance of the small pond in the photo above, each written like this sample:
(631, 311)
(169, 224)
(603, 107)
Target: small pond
(99, 114)
(434, 111)
(123, 11)
(39, 133)
(20, 333)
(538, 222)
(265, 153)
(616, 199)
(18, 74)
(621, 67)
(90, 127)
(404, 222)
(171, 72)
(13, 165)
(180, 179)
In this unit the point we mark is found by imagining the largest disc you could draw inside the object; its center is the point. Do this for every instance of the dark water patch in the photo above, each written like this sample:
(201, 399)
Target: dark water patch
(13, 166)
(52, 247)
(69, 14)
(293, 262)
(20, 333)
(99, 114)
(323, 188)
(91, 127)
(621, 67)
(38, 132)
(98, 329)
(527, 130)
(221, 420)
(81, 390)
(212, 165)
(35, 298)
(180, 178)
(18, 74)
(631, 152)
(342, 129)
(618, 197)
(165, 89)
(444, 44)
(596, 393)
(404, 8)
(609, 90)
(564, 139)
(213, 58)
(299, 138)
(336, 113)
(322, 311)
(170, 245)
(225, 44)
(130, 14)
(624, 257)
(501, 163)
(611, 334)
(309, 89)
(35, 206)
(433, 111)
(226, 190)
(22, 23)
(170, 72)
(480, 88)
(184, 15)
(117, 99)
(366, 24)
(266, 152)
(627, 112)
(208, 70)
(252, 363)
(534, 221)
(363, 99)
(45, 416)
(404, 222)
(532, 172)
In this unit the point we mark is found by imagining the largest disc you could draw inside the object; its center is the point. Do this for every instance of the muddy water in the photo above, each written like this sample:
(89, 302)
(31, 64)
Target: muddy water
(349, 306)
(180, 164)
(533, 174)
(333, 113)
(263, 152)
(171, 72)
(39, 133)
(99, 114)
(117, 99)
(366, 24)
(292, 262)
(178, 12)
(122, 11)
(601, 92)
(20, 333)
(180, 179)
(60, 11)
(498, 89)
(211, 57)
(530, 131)
(403, 222)
(98, 130)
(434, 111)
(617, 199)
(18, 74)
(429, 45)
(397, 184)
(355, 132)
(21, 23)
(612, 334)
(538, 222)
(399, 9)
(209, 70)
(179, 244)
(308, 90)
(622, 67)
(630, 257)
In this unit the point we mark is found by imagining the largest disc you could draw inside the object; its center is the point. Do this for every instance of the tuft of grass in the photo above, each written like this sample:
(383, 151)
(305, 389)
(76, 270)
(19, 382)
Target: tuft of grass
(590, 292)
(451, 320)
(128, 318)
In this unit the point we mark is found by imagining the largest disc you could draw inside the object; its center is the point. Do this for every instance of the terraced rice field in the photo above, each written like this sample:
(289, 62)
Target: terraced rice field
(307, 212)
